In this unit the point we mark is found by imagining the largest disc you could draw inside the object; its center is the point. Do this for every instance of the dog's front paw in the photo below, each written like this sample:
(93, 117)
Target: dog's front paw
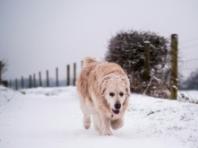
(116, 124)
(107, 133)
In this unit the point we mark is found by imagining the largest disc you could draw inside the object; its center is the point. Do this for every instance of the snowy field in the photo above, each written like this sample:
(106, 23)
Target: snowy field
(51, 118)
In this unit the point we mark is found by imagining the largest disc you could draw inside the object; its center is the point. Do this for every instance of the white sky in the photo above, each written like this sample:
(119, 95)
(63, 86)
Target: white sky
(42, 34)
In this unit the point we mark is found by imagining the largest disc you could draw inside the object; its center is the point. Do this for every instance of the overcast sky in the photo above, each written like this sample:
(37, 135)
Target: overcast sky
(42, 34)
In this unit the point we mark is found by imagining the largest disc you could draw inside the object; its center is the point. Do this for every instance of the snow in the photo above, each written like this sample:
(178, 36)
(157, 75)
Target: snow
(51, 118)
(188, 96)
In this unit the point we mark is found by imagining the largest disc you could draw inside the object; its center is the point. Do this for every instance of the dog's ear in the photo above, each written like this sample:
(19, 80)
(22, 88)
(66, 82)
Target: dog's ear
(127, 84)
(102, 83)
(103, 91)
(128, 91)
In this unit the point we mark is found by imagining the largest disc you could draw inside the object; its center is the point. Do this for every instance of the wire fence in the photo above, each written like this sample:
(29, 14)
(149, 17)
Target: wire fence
(47, 78)
(52, 79)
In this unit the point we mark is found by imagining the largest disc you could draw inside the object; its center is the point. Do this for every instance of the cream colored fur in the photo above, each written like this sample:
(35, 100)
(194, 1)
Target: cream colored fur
(95, 85)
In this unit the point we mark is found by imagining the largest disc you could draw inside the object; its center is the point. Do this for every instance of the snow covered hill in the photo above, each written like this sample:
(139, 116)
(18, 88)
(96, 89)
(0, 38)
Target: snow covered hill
(51, 118)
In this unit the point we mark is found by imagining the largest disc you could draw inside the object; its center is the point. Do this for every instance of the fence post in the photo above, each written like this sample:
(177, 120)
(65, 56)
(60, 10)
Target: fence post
(57, 80)
(74, 74)
(10, 83)
(47, 78)
(40, 79)
(147, 60)
(22, 82)
(34, 80)
(16, 84)
(174, 66)
(30, 81)
(68, 76)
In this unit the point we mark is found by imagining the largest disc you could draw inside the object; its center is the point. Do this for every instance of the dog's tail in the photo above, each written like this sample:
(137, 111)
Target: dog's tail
(88, 60)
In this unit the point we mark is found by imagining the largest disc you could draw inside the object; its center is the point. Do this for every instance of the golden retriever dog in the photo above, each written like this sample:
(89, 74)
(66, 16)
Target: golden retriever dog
(104, 90)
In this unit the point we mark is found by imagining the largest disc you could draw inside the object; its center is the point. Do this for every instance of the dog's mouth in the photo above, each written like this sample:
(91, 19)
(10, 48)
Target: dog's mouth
(116, 111)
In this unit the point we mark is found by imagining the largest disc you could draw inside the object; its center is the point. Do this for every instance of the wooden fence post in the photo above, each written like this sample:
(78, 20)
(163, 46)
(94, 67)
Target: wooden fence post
(10, 84)
(22, 82)
(16, 84)
(174, 66)
(47, 78)
(74, 74)
(30, 81)
(147, 60)
(40, 79)
(34, 80)
(57, 80)
(68, 75)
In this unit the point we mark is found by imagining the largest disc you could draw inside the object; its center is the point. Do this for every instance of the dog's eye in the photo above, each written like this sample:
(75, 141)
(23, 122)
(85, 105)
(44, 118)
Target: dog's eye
(111, 94)
(121, 94)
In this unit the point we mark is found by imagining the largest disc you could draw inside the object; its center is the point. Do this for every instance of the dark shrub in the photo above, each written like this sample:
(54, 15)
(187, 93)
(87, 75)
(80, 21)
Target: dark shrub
(128, 50)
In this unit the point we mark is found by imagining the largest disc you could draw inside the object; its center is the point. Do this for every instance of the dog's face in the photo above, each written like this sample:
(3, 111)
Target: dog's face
(116, 92)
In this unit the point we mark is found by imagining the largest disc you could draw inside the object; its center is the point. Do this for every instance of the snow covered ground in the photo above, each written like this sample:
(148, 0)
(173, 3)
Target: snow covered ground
(51, 118)
(188, 96)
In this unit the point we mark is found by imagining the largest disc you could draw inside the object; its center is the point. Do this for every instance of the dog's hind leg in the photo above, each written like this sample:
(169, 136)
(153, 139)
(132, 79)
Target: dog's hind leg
(86, 121)
(86, 115)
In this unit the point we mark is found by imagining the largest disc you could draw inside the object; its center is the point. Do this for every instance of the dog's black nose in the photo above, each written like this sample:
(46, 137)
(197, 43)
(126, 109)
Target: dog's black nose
(117, 105)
